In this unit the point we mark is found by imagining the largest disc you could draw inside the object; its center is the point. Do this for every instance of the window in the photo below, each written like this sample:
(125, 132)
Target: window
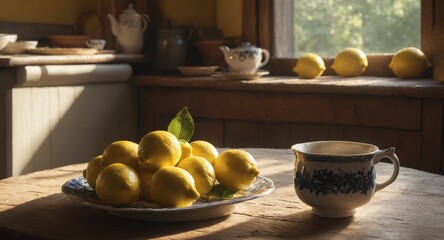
(262, 17)
(326, 27)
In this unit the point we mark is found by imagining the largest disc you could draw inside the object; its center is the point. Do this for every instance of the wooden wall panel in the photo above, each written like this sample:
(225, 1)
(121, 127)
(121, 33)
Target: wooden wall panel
(432, 27)
(249, 21)
(432, 130)
(211, 130)
(257, 134)
(400, 113)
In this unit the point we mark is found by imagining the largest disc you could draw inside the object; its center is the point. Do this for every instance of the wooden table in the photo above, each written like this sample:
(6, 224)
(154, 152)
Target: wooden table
(32, 206)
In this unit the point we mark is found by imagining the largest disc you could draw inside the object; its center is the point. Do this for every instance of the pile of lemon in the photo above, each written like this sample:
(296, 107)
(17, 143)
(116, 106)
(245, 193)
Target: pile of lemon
(408, 62)
(164, 170)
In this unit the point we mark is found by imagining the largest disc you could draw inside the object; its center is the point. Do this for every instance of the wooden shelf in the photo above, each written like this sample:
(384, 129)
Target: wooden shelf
(376, 86)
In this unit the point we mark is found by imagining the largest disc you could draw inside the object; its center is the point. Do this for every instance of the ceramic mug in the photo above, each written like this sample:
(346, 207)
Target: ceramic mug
(336, 177)
(98, 44)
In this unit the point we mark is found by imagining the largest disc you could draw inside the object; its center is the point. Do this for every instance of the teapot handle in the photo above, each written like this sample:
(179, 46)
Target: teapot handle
(266, 58)
(145, 20)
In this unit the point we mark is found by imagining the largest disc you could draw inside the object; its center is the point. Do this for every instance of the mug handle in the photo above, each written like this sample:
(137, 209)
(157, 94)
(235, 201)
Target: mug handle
(390, 154)
(266, 58)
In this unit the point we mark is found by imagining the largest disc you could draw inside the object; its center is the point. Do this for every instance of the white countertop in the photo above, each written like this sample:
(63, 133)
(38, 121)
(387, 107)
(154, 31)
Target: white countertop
(23, 60)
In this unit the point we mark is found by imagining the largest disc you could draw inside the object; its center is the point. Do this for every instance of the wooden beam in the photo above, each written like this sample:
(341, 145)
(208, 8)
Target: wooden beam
(249, 21)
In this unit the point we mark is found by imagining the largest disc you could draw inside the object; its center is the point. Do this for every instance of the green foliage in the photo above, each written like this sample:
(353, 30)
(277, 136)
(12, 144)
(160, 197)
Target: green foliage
(182, 125)
(326, 27)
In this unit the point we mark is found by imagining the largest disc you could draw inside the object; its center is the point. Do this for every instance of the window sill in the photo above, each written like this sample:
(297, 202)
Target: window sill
(371, 86)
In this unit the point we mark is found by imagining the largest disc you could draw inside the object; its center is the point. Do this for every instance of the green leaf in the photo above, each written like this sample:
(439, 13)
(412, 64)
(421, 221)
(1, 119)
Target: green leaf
(220, 191)
(182, 125)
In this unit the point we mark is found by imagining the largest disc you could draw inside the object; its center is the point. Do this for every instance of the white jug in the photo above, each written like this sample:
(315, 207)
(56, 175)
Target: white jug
(129, 30)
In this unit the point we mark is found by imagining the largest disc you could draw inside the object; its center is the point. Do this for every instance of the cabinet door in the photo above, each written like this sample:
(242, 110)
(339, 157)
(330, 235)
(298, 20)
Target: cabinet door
(56, 126)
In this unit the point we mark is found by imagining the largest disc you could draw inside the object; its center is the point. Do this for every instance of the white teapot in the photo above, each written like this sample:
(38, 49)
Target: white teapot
(246, 58)
(129, 30)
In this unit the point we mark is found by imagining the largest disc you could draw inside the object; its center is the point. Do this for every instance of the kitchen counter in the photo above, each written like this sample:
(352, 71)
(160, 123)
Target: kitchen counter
(374, 86)
(52, 102)
(24, 60)
(276, 111)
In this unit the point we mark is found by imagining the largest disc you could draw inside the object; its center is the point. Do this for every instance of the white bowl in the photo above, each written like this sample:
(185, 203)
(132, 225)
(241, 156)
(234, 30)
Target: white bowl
(6, 38)
(19, 47)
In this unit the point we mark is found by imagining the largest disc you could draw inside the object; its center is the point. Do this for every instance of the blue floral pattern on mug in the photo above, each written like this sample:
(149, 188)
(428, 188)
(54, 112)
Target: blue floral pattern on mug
(342, 182)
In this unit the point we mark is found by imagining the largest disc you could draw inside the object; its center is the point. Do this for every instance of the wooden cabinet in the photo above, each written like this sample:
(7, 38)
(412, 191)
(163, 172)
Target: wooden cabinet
(62, 116)
(276, 113)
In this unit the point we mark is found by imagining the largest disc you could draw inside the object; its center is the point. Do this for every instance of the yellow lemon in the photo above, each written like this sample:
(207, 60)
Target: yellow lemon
(92, 170)
(145, 177)
(351, 62)
(409, 63)
(123, 151)
(159, 149)
(202, 171)
(204, 149)
(173, 187)
(118, 185)
(309, 66)
(187, 150)
(236, 169)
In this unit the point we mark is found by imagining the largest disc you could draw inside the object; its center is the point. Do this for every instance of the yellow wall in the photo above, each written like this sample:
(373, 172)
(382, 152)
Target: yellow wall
(198, 13)
(229, 17)
(45, 11)
(223, 14)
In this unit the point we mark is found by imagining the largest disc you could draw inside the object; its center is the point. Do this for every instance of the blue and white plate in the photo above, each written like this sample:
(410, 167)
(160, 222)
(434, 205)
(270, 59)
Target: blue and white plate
(79, 190)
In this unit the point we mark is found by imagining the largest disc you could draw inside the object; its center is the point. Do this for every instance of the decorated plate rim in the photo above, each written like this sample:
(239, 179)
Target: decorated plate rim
(262, 186)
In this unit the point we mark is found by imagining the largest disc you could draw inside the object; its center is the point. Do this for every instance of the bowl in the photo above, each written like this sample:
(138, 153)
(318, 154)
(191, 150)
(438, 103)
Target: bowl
(68, 41)
(197, 70)
(6, 38)
(19, 47)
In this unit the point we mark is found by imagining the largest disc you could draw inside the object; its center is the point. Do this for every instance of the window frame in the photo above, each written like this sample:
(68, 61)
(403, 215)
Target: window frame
(258, 28)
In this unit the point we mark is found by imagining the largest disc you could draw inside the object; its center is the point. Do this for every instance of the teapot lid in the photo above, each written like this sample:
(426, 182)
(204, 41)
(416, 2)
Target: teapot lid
(246, 46)
(129, 11)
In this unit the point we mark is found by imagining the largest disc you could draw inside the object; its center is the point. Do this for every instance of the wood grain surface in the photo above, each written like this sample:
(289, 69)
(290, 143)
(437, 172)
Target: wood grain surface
(32, 206)
(277, 111)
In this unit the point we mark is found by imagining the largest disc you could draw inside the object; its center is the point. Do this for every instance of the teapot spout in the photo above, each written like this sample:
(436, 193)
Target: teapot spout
(114, 25)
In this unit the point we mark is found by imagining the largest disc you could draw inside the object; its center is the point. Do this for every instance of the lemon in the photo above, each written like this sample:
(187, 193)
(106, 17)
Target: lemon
(92, 170)
(351, 62)
(145, 177)
(204, 149)
(236, 169)
(123, 151)
(173, 187)
(409, 63)
(159, 149)
(187, 150)
(309, 66)
(202, 172)
(118, 185)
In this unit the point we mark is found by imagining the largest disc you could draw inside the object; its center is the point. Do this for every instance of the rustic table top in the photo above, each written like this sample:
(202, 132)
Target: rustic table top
(32, 206)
